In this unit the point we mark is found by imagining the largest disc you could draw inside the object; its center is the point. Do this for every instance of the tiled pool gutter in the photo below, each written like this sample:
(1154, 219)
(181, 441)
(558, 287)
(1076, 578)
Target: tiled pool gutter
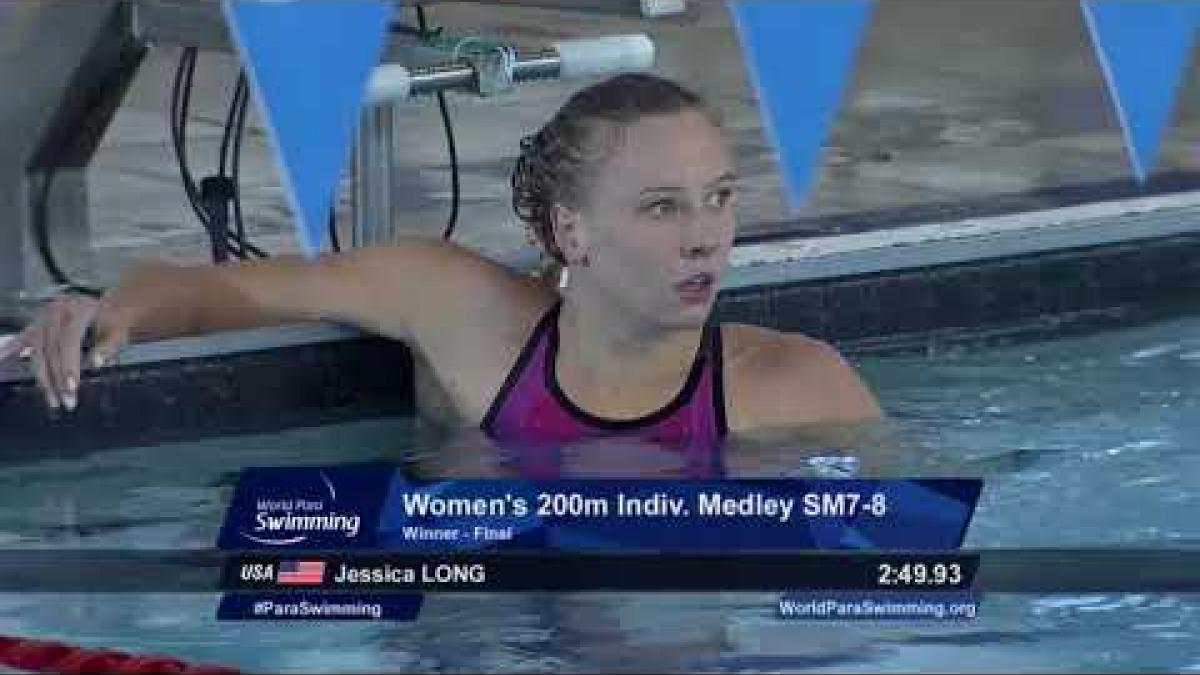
(918, 287)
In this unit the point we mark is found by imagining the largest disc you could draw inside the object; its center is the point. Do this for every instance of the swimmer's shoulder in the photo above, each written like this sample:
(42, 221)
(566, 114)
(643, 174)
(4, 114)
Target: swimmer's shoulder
(471, 318)
(455, 287)
(775, 379)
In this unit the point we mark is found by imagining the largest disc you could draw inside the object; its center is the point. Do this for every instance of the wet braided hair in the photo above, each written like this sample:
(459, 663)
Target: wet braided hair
(555, 163)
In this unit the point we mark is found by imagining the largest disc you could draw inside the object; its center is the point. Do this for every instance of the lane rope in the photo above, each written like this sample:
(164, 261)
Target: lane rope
(44, 656)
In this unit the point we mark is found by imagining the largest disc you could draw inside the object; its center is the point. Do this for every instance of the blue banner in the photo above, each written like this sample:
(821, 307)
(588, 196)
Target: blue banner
(330, 507)
(627, 515)
(1143, 47)
(799, 55)
(308, 63)
(319, 607)
(375, 507)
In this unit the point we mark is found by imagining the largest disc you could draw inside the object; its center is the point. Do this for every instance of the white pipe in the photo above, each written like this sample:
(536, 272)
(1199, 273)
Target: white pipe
(390, 82)
(576, 58)
(656, 8)
(599, 56)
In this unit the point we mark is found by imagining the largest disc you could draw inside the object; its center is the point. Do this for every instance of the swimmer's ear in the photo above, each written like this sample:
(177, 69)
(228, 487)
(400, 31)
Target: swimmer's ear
(569, 236)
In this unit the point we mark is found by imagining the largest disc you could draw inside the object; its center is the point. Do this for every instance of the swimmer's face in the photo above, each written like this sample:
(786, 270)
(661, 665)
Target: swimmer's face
(657, 222)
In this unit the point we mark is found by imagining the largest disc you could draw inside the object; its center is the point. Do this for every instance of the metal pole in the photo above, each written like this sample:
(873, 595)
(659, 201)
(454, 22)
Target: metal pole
(374, 221)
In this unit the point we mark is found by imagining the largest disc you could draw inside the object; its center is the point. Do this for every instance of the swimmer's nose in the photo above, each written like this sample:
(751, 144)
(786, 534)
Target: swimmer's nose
(697, 251)
(702, 239)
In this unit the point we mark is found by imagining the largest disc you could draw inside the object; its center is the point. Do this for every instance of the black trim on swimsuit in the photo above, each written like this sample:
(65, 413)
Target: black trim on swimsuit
(718, 352)
(518, 367)
(681, 398)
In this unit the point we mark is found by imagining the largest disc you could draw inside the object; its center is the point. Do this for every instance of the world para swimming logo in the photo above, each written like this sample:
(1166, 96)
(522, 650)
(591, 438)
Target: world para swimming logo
(292, 519)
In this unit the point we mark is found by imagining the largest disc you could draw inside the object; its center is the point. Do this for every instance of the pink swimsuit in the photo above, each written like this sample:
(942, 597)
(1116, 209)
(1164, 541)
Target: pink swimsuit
(532, 418)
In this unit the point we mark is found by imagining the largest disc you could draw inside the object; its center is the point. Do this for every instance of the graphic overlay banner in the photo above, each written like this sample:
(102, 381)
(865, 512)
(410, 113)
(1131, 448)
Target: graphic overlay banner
(375, 507)
(512, 571)
(206, 571)
(731, 515)
(308, 62)
(1143, 47)
(799, 54)
(319, 607)
(865, 606)
(369, 528)
(334, 507)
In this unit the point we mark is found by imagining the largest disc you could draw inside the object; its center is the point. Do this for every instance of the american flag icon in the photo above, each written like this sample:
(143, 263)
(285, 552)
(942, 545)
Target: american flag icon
(301, 572)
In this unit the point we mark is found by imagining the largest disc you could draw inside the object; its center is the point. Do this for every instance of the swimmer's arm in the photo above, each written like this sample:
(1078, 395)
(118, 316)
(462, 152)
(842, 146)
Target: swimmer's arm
(844, 394)
(800, 398)
(416, 285)
(415, 290)
(796, 380)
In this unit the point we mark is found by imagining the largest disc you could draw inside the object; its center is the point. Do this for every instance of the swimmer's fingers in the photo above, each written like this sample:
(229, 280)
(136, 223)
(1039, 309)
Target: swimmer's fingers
(74, 315)
(52, 344)
(36, 336)
(48, 352)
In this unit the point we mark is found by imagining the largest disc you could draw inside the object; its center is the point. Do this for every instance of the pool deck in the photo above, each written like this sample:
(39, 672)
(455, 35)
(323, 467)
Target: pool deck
(1002, 143)
(1009, 115)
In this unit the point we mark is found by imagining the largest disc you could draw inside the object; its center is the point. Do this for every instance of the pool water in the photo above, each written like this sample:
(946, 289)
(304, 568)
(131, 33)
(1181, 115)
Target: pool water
(1083, 441)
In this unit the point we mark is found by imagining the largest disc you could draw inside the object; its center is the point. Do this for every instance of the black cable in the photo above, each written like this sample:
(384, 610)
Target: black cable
(223, 190)
(181, 98)
(179, 103)
(422, 33)
(335, 243)
(239, 135)
(451, 146)
(224, 241)
(235, 103)
(41, 236)
(235, 129)
(455, 187)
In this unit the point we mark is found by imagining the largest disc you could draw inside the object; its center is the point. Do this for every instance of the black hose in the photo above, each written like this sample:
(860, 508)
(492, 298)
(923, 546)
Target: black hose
(455, 187)
(335, 243)
(212, 208)
(451, 146)
(239, 135)
(239, 92)
(41, 238)
(181, 99)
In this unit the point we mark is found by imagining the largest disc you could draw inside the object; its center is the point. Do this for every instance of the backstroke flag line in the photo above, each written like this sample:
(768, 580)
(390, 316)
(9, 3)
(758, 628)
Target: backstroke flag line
(1143, 47)
(799, 53)
(309, 62)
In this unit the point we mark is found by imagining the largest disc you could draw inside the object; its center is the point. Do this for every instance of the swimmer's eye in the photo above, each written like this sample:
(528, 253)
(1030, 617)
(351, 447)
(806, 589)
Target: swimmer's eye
(661, 209)
(720, 198)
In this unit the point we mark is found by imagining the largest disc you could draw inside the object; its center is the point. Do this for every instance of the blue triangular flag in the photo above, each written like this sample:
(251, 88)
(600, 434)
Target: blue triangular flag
(799, 54)
(308, 62)
(1143, 46)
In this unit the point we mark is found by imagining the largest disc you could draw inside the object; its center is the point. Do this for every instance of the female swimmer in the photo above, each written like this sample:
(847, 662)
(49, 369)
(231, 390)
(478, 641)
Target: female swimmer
(629, 189)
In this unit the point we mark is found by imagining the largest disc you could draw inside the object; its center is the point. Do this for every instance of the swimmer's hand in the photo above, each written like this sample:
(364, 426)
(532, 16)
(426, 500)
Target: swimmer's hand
(53, 344)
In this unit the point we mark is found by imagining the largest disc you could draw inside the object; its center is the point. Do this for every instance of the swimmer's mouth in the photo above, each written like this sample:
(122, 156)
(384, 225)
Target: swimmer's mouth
(696, 288)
